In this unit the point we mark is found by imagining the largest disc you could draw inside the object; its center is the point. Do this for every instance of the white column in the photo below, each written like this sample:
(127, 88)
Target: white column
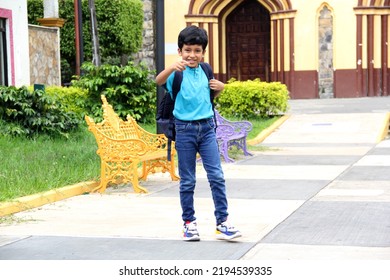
(50, 8)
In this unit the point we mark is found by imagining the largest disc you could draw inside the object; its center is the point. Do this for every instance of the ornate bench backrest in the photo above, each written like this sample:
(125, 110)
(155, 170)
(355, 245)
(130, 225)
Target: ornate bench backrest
(115, 126)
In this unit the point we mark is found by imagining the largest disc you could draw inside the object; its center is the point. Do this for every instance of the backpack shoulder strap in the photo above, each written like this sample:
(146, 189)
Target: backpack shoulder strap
(176, 84)
(210, 75)
(207, 69)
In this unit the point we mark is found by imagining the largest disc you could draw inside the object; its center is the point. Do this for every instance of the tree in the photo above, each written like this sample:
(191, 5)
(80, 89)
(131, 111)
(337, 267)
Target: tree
(95, 38)
(120, 27)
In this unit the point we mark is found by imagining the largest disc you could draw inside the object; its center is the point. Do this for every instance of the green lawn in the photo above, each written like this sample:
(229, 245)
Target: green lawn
(32, 166)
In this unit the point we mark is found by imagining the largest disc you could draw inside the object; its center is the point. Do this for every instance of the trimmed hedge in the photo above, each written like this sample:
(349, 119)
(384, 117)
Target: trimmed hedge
(72, 99)
(248, 99)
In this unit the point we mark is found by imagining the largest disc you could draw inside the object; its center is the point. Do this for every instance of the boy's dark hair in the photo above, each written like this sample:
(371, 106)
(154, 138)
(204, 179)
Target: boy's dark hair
(193, 35)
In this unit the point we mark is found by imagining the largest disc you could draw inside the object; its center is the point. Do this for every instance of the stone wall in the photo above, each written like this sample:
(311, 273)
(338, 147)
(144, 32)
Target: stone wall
(325, 42)
(147, 53)
(45, 64)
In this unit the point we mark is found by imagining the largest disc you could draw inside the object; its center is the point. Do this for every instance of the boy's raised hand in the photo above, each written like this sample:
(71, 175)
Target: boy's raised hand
(179, 65)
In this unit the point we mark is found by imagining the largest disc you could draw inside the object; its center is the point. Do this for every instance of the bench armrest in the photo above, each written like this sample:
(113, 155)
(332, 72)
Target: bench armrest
(154, 141)
(119, 149)
(224, 131)
(241, 125)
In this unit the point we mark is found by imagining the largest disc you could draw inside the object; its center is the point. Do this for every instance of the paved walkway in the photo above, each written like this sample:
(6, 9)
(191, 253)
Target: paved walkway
(320, 190)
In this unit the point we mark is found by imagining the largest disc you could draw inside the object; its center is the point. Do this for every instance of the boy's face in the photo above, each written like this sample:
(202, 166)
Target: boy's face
(192, 54)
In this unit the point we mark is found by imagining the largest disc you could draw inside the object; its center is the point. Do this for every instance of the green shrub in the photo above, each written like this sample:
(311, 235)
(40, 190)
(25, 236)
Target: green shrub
(248, 99)
(129, 89)
(25, 112)
(72, 99)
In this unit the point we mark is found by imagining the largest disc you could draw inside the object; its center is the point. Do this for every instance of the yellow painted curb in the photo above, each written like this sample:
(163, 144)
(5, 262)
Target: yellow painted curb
(385, 128)
(36, 200)
(266, 132)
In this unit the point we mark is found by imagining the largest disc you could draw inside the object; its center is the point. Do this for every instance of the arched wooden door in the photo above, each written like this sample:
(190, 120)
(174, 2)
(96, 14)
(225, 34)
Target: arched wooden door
(248, 42)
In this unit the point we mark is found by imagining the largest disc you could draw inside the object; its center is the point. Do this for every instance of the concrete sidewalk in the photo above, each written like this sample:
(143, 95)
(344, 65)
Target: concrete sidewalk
(319, 190)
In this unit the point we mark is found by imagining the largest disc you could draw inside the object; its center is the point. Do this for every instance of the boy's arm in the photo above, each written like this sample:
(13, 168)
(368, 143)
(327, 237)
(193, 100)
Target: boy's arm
(217, 86)
(163, 76)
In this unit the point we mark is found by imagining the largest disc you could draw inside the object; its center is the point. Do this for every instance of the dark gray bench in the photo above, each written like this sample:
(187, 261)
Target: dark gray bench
(232, 133)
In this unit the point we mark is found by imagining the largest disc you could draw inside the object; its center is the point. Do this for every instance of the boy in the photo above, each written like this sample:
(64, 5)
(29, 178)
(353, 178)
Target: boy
(195, 132)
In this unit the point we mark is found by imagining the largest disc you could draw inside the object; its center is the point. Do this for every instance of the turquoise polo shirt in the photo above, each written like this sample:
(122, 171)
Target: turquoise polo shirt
(193, 99)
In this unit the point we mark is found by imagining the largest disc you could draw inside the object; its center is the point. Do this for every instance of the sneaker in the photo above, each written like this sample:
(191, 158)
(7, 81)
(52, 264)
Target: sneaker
(190, 232)
(227, 232)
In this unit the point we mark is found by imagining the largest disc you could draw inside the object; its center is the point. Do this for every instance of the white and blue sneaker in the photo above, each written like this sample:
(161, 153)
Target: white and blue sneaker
(190, 231)
(225, 231)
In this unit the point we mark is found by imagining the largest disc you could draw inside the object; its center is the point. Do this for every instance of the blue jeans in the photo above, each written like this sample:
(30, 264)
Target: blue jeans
(194, 137)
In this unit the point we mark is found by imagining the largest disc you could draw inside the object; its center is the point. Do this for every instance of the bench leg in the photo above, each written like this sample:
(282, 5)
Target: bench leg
(161, 163)
(244, 148)
(133, 169)
(137, 188)
(101, 188)
(145, 171)
(149, 166)
(172, 169)
(240, 144)
(223, 149)
(103, 178)
(107, 175)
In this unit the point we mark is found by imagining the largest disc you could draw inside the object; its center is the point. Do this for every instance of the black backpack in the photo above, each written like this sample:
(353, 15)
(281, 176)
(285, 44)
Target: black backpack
(164, 116)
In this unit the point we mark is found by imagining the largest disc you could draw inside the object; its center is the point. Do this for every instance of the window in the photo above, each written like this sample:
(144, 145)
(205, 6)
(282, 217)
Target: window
(3, 53)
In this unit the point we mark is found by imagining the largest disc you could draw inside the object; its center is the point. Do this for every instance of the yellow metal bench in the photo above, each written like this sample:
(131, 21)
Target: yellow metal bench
(123, 146)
